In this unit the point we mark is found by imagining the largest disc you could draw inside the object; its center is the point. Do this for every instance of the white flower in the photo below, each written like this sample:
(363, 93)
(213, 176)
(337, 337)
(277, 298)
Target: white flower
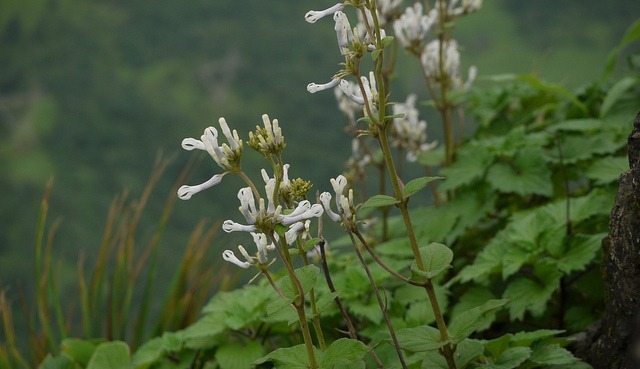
(292, 234)
(345, 103)
(302, 212)
(473, 74)
(339, 184)
(351, 91)
(270, 141)
(450, 59)
(344, 32)
(313, 87)
(410, 133)
(185, 192)
(262, 242)
(227, 156)
(231, 226)
(325, 199)
(413, 25)
(468, 6)
(313, 15)
(271, 213)
(247, 204)
(344, 204)
(387, 7)
(229, 256)
(245, 254)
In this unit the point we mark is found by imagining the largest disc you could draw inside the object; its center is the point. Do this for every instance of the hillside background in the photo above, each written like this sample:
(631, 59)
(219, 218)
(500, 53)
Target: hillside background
(92, 90)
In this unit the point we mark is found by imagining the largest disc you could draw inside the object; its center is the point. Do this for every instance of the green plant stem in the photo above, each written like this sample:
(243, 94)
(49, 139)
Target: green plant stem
(406, 217)
(395, 180)
(345, 315)
(315, 320)
(249, 183)
(381, 304)
(384, 211)
(298, 303)
(382, 264)
(442, 327)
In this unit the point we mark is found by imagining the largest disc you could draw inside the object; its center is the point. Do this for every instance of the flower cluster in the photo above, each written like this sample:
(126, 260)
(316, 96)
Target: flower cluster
(268, 140)
(352, 42)
(409, 133)
(262, 219)
(344, 204)
(412, 27)
(227, 156)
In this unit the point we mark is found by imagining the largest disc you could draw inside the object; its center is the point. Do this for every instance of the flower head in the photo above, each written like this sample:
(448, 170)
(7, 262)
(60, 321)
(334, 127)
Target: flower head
(227, 155)
(229, 256)
(268, 140)
(450, 59)
(345, 205)
(185, 192)
(410, 134)
(412, 26)
(313, 15)
(344, 33)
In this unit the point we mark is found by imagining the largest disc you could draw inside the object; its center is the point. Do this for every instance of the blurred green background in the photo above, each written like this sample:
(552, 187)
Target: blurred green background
(92, 90)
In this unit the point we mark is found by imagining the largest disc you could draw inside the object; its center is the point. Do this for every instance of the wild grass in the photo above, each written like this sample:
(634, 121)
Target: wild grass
(117, 292)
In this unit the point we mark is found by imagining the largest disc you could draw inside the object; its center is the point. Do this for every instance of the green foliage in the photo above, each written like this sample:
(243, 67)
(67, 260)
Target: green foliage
(524, 208)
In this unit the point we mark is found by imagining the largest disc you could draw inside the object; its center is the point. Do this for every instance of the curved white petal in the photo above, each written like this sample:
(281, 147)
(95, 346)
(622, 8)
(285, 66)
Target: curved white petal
(185, 192)
(229, 256)
(191, 144)
(231, 226)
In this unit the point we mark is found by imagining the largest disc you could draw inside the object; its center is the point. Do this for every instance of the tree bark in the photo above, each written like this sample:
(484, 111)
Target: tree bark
(614, 341)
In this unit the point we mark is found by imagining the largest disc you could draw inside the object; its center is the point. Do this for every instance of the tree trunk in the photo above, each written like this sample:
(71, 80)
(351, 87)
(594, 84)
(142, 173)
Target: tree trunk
(614, 341)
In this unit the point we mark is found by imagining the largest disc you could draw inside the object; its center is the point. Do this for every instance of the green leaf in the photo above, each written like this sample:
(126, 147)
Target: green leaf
(552, 355)
(375, 54)
(497, 346)
(577, 125)
(386, 41)
(576, 148)
(607, 169)
(148, 353)
(310, 244)
(287, 358)
(417, 184)
(632, 34)
(379, 201)
(202, 334)
(432, 158)
(527, 174)
(537, 83)
(475, 296)
(582, 251)
(238, 356)
(527, 338)
(343, 351)
(110, 355)
(59, 362)
(464, 324)
(488, 261)
(466, 351)
(530, 295)
(471, 164)
(419, 339)
(436, 258)
(79, 350)
(369, 310)
(510, 358)
(435, 223)
(615, 92)
(308, 276)
(278, 304)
